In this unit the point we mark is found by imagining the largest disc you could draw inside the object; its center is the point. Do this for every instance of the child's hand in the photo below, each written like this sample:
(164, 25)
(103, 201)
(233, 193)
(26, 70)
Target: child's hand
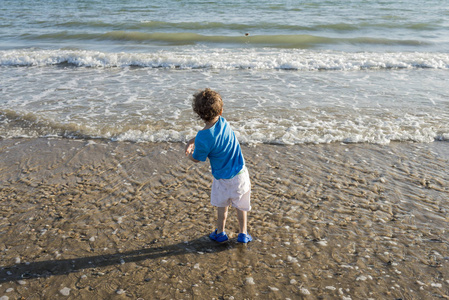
(190, 146)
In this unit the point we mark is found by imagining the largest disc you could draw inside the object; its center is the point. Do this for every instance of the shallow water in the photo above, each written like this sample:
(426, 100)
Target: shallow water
(309, 72)
(263, 106)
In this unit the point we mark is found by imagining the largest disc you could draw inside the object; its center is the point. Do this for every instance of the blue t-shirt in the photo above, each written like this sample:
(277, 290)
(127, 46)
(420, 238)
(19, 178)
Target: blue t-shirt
(220, 145)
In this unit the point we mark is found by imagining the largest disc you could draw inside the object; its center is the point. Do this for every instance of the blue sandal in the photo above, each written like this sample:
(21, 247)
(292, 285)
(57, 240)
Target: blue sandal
(218, 237)
(244, 238)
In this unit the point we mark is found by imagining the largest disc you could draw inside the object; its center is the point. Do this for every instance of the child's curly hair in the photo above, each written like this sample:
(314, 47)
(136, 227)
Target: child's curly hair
(207, 104)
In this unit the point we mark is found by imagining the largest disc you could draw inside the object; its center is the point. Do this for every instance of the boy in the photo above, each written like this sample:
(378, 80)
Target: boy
(231, 183)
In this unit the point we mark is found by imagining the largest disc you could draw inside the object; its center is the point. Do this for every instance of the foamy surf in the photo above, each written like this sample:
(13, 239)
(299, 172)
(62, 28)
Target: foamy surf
(249, 131)
(228, 59)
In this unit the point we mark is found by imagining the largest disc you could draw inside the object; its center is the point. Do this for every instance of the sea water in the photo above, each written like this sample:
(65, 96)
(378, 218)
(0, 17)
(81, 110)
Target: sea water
(290, 72)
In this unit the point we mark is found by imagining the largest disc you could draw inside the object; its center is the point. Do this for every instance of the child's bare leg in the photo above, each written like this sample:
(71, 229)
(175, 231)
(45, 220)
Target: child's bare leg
(243, 219)
(222, 215)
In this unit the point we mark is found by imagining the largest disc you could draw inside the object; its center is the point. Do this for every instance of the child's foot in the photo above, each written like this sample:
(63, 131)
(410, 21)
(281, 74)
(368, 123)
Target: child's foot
(218, 237)
(244, 238)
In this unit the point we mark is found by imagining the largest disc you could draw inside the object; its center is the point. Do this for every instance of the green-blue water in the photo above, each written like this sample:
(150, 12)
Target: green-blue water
(289, 71)
(124, 25)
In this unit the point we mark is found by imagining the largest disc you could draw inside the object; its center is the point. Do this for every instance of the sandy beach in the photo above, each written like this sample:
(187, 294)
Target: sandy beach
(94, 219)
(342, 111)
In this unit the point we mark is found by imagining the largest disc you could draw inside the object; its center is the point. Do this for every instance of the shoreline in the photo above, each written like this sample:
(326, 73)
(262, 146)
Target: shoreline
(100, 219)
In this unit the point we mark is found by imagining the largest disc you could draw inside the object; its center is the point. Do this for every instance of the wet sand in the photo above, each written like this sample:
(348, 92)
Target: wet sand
(105, 220)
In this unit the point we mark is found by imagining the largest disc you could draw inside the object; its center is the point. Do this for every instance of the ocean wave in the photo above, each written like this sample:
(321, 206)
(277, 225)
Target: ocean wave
(253, 28)
(297, 41)
(205, 58)
(244, 27)
(411, 129)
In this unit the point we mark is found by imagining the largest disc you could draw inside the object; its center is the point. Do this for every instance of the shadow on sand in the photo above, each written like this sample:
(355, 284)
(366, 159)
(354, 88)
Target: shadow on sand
(60, 267)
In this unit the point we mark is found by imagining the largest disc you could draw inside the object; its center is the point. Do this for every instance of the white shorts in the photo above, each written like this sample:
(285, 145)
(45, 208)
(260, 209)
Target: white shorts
(235, 191)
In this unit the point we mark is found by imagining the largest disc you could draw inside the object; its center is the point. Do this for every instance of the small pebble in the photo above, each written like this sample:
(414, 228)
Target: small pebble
(65, 291)
(249, 280)
(322, 243)
(4, 298)
(292, 259)
(9, 290)
(305, 291)
(274, 289)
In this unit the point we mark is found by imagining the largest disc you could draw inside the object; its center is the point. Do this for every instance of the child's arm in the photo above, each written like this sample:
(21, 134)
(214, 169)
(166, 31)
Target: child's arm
(189, 150)
(192, 159)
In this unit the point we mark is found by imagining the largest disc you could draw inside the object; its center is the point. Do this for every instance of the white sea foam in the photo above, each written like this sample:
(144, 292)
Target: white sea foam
(316, 131)
(205, 58)
(262, 106)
